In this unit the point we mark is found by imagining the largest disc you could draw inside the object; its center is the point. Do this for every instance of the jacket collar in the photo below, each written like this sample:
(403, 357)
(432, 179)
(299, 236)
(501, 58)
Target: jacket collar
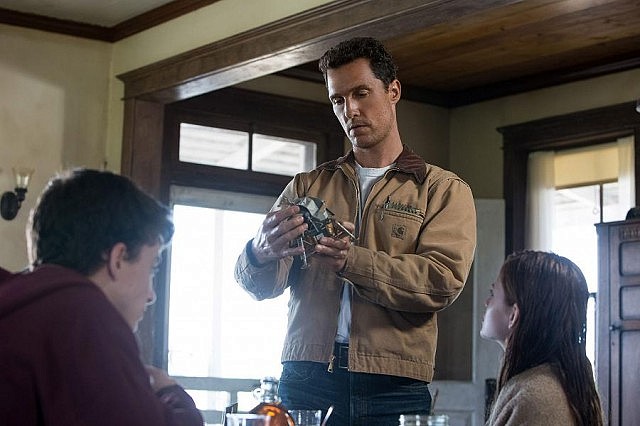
(407, 162)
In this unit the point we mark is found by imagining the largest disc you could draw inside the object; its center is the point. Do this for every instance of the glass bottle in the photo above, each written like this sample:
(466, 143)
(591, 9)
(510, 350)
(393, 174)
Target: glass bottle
(270, 403)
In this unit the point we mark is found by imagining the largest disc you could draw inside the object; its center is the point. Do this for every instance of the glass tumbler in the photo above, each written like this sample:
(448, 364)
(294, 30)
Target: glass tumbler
(247, 419)
(424, 420)
(306, 417)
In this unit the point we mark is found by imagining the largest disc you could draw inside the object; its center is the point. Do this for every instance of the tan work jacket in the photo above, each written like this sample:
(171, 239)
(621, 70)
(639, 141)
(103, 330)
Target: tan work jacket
(413, 253)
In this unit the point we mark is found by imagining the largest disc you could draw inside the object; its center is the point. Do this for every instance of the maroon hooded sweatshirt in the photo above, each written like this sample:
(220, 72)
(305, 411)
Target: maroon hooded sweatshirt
(68, 358)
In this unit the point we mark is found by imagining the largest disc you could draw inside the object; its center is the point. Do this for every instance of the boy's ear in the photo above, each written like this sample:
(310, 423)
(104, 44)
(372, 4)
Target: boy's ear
(116, 257)
(515, 315)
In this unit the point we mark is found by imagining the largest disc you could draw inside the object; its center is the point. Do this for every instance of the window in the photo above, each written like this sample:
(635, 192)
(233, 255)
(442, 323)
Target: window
(215, 146)
(571, 190)
(215, 328)
(576, 130)
(227, 156)
(580, 129)
(575, 211)
(282, 156)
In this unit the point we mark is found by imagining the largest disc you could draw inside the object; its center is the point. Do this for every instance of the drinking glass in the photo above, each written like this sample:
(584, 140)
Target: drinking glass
(424, 420)
(438, 420)
(246, 419)
(306, 417)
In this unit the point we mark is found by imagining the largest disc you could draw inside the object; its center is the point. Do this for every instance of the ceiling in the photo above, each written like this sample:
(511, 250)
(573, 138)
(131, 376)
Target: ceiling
(105, 13)
(510, 48)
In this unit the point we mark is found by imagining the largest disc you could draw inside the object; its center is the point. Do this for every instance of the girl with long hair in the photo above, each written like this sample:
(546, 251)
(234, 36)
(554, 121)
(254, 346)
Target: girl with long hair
(537, 311)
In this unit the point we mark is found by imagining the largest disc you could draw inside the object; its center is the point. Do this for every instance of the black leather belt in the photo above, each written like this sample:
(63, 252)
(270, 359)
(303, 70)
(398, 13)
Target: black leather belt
(341, 354)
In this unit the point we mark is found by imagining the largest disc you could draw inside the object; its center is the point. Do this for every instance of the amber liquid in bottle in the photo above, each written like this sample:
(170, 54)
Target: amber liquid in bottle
(270, 403)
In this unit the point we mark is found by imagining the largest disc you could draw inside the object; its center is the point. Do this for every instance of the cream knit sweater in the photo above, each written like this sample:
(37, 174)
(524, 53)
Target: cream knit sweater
(533, 397)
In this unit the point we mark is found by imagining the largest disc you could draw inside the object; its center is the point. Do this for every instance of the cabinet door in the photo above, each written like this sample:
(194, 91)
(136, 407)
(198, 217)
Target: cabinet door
(618, 363)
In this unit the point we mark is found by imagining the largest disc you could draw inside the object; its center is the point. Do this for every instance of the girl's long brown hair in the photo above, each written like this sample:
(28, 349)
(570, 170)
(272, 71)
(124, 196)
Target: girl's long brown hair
(551, 293)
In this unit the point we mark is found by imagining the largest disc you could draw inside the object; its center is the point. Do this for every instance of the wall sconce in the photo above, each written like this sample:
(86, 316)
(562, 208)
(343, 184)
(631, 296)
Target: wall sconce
(11, 201)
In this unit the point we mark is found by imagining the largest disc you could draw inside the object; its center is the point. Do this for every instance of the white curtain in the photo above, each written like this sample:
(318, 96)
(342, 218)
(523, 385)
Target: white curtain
(626, 176)
(539, 203)
(541, 189)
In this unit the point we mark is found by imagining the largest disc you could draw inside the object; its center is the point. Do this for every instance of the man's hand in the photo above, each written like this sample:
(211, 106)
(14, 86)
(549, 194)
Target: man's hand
(332, 252)
(278, 229)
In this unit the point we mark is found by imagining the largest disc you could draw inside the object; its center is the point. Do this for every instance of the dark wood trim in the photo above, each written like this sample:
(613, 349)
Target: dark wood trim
(573, 130)
(122, 30)
(265, 108)
(142, 143)
(142, 162)
(156, 16)
(286, 43)
(54, 25)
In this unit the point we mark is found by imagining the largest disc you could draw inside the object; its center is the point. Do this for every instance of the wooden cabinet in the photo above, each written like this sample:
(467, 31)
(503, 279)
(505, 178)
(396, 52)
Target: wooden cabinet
(618, 319)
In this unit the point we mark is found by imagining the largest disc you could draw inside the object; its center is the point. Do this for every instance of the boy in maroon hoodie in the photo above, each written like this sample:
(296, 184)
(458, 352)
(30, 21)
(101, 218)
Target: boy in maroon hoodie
(68, 355)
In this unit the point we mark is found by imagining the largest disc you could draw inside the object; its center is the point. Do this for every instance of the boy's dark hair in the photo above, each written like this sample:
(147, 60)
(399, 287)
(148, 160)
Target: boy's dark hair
(83, 213)
(347, 51)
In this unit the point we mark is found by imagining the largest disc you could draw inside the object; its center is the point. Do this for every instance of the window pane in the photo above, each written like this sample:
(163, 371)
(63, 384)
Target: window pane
(576, 211)
(282, 156)
(613, 209)
(215, 328)
(214, 146)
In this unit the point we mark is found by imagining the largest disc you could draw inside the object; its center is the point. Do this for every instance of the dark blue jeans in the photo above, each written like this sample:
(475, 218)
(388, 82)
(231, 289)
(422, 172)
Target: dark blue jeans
(359, 399)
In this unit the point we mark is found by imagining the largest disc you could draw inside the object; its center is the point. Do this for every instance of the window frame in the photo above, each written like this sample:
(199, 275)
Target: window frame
(579, 129)
(237, 109)
(253, 112)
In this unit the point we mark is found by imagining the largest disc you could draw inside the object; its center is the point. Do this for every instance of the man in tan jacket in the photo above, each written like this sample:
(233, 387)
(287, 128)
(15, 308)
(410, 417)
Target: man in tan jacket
(362, 327)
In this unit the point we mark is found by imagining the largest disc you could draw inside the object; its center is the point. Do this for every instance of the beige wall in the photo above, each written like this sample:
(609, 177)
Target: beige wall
(52, 115)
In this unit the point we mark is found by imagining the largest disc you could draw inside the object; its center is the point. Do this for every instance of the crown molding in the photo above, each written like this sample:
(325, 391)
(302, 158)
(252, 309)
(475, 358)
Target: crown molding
(112, 34)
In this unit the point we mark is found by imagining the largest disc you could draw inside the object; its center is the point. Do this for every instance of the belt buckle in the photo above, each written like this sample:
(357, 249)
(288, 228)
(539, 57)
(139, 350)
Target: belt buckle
(343, 356)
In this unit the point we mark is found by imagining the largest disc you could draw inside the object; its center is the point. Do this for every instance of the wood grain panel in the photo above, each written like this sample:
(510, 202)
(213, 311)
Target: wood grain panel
(523, 39)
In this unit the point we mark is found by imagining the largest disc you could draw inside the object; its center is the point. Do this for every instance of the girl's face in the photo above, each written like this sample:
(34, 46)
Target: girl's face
(499, 316)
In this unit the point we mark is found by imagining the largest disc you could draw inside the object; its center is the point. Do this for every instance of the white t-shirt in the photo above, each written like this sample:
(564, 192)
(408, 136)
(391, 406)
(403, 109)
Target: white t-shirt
(367, 177)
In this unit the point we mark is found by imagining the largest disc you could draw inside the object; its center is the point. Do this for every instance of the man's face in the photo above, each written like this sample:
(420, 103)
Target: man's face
(362, 104)
(135, 284)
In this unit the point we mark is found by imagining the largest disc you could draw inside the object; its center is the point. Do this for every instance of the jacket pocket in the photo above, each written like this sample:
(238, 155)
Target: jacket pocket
(399, 209)
(397, 227)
